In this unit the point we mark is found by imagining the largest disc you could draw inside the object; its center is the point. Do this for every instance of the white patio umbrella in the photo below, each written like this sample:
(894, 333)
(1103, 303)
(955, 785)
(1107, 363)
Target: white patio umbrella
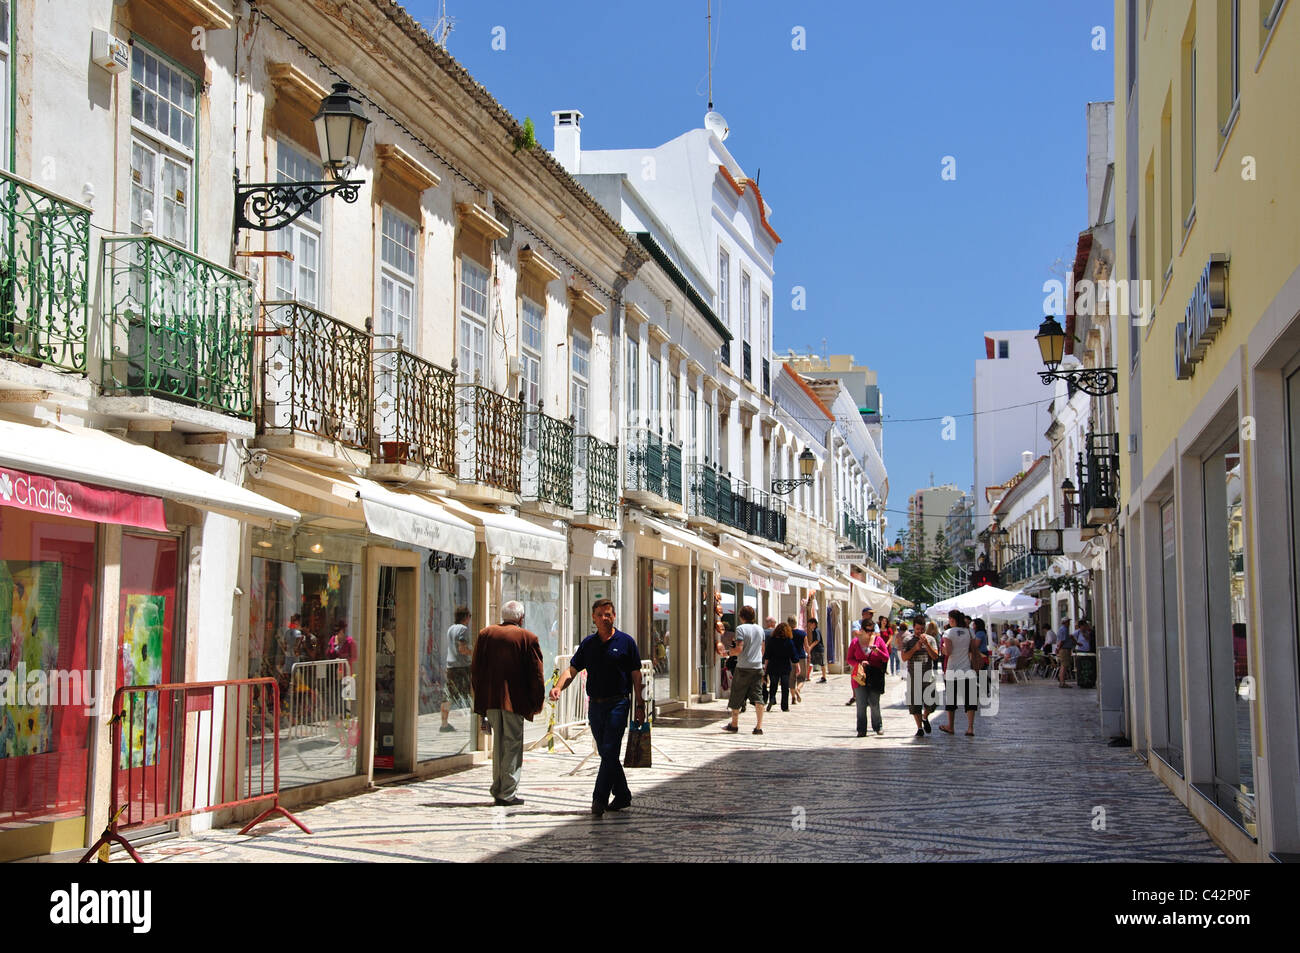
(986, 602)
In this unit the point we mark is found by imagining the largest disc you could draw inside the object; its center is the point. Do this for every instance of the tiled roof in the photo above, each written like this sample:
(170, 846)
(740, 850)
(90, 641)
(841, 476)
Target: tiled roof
(741, 186)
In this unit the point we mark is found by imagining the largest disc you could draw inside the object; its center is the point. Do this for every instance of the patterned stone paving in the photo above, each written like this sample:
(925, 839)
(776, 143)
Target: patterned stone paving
(1026, 788)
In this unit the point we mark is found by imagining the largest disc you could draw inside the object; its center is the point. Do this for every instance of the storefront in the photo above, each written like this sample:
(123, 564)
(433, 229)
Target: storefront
(93, 594)
(366, 613)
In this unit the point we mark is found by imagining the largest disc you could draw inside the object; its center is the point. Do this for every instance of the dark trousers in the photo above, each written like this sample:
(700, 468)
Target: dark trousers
(775, 679)
(608, 722)
(867, 698)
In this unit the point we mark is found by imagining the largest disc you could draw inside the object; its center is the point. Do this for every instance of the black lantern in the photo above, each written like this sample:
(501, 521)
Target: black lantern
(1097, 381)
(340, 133)
(807, 464)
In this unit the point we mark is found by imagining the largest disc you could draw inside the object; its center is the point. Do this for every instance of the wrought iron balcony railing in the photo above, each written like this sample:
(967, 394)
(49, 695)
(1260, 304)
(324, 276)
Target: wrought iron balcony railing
(673, 472)
(315, 375)
(704, 491)
(1098, 473)
(415, 402)
(547, 459)
(740, 505)
(44, 276)
(176, 326)
(1023, 567)
(723, 499)
(595, 484)
(645, 462)
(746, 363)
(488, 437)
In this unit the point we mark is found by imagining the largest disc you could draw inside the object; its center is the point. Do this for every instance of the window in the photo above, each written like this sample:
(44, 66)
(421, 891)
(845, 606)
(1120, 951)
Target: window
(765, 329)
(708, 432)
(4, 84)
(1167, 192)
(655, 418)
(724, 288)
(1269, 12)
(1229, 66)
(1004, 350)
(396, 282)
(299, 279)
(163, 103)
(530, 347)
(633, 383)
(1149, 235)
(1172, 749)
(1188, 134)
(472, 332)
(1134, 338)
(581, 377)
(692, 409)
(1131, 42)
(744, 306)
(672, 407)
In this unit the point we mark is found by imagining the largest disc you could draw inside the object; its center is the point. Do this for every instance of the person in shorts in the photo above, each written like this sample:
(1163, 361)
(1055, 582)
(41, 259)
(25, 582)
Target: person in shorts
(747, 683)
(960, 687)
(919, 653)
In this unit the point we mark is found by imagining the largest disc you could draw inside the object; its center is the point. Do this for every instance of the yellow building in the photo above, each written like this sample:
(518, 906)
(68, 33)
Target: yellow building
(1208, 187)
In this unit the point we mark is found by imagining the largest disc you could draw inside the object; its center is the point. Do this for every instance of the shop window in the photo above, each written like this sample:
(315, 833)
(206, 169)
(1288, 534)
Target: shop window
(1231, 685)
(1171, 750)
(539, 591)
(47, 622)
(306, 598)
(445, 725)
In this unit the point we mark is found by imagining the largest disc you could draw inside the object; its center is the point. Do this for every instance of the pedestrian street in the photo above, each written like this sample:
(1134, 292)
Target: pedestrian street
(1036, 783)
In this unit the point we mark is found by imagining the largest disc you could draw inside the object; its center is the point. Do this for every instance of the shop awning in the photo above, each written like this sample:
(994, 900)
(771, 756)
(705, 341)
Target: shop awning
(834, 585)
(413, 519)
(68, 453)
(689, 539)
(507, 535)
(798, 575)
(878, 601)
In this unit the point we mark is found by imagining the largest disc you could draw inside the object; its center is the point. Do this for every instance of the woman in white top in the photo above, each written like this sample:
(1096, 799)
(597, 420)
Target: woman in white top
(959, 676)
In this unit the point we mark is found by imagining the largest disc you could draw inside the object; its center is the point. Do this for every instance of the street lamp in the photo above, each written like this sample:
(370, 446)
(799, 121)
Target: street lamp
(340, 133)
(807, 463)
(1097, 381)
(1068, 496)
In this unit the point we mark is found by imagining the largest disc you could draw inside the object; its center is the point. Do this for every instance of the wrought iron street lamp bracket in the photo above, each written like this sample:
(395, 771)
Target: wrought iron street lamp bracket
(786, 487)
(1097, 381)
(268, 206)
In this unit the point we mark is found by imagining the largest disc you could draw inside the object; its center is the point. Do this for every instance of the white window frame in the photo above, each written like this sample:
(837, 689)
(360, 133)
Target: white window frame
(162, 145)
(672, 406)
(654, 384)
(470, 321)
(529, 355)
(724, 287)
(693, 410)
(6, 14)
(765, 317)
(708, 432)
(292, 164)
(393, 275)
(634, 382)
(745, 285)
(580, 383)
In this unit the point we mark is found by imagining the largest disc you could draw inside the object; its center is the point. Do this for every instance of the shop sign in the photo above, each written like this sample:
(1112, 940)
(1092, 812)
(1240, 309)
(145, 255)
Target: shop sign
(68, 498)
(846, 557)
(1206, 312)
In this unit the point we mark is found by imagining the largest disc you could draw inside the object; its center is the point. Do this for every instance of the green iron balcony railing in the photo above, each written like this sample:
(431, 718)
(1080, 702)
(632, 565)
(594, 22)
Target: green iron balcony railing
(1023, 567)
(488, 437)
(645, 462)
(673, 472)
(746, 362)
(767, 378)
(315, 375)
(176, 326)
(415, 403)
(547, 459)
(1098, 473)
(44, 276)
(723, 496)
(704, 491)
(595, 478)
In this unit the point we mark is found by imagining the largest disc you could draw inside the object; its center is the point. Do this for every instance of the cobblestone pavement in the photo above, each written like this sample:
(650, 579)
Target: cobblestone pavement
(1028, 787)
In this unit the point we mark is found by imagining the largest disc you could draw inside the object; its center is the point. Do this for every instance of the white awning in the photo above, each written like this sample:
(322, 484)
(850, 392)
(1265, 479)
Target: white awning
(514, 536)
(880, 602)
(799, 575)
(413, 519)
(834, 585)
(93, 456)
(691, 540)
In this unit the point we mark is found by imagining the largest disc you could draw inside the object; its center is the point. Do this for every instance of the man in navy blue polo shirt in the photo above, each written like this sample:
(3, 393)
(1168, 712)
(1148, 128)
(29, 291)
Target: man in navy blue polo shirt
(613, 666)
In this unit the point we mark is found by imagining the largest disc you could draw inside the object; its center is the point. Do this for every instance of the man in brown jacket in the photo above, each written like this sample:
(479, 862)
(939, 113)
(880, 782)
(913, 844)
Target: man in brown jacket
(506, 676)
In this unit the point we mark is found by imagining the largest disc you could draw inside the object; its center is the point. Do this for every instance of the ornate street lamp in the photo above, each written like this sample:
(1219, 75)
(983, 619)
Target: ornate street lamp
(1097, 381)
(807, 463)
(340, 133)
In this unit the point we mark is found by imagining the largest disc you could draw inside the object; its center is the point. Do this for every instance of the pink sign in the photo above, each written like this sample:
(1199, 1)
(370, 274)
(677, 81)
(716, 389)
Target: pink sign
(68, 498)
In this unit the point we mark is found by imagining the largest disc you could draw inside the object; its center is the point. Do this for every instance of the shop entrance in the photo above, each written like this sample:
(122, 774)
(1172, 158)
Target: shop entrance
(394, 672)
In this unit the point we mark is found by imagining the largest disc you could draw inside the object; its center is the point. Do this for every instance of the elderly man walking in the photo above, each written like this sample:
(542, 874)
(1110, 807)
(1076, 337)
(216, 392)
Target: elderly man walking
(613, 664)
(506, 675)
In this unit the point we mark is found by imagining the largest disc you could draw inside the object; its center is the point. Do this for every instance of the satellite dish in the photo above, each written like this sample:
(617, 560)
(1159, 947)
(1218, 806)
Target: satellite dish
(714, 122)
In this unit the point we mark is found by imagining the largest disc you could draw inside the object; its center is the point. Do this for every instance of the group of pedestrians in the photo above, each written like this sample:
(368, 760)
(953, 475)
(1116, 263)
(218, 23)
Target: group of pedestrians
(772, 664)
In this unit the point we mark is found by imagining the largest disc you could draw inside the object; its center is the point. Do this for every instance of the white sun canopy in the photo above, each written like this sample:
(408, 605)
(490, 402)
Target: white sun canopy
(413, 519)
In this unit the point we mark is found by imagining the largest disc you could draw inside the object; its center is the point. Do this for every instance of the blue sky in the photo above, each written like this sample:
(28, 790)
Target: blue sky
(902, 269)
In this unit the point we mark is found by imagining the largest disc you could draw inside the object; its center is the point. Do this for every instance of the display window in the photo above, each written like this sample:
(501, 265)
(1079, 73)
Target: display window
(539, 592)
(49, 683)
(448, 629)
(305, 629)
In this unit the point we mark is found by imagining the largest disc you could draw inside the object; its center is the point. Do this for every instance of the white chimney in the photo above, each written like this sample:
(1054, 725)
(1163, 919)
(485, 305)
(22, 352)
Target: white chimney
(568, 139)
(1026, 460)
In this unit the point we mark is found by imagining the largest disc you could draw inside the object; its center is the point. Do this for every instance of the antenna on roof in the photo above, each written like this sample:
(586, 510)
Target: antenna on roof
(443, 27)
(713, 121)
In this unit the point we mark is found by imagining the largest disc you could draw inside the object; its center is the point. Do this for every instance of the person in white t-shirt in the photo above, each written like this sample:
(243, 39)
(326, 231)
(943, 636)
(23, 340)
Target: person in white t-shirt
(456, 688)
(959, 677)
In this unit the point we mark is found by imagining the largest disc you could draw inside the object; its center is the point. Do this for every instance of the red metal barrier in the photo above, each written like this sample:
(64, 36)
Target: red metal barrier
(192, 748)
